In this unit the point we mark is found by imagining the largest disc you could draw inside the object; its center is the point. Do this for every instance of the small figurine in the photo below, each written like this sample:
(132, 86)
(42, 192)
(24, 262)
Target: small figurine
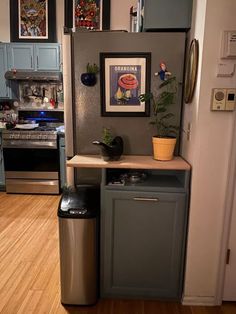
(163, 73)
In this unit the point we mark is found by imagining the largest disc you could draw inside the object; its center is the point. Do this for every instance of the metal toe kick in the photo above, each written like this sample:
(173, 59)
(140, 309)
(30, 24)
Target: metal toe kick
(32, 182)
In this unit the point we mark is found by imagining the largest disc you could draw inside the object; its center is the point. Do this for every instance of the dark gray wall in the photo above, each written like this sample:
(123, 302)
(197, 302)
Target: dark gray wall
(136, 131)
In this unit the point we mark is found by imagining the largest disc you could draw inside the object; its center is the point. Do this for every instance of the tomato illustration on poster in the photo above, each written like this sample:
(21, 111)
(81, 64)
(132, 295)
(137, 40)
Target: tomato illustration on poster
(125, 84)
(124, 76)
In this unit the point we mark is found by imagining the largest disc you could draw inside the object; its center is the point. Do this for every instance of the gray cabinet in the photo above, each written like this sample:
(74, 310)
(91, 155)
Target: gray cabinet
(167, 14)
(143, 235)
(38, 57)
(2, 176)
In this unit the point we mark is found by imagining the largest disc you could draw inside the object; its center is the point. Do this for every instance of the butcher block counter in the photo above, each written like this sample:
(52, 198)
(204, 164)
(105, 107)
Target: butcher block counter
(128, 162)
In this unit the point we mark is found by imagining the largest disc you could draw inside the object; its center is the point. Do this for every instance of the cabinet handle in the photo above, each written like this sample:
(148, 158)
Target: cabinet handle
(146, 199)
(31, 62)
(37, 62)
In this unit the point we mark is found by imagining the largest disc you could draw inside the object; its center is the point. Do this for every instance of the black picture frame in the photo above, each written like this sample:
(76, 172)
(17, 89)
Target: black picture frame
(124, 76)
(51, 22)
(105, 19)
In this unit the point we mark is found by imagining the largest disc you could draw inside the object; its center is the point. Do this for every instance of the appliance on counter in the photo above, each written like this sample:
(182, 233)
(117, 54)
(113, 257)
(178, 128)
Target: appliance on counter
(31, 156)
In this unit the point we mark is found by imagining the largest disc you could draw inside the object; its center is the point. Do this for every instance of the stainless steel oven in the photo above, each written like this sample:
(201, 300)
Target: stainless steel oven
(31, 156)
(31, 161)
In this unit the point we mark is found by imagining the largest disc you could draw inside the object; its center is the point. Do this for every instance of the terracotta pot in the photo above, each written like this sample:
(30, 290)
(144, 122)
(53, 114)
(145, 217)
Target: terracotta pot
(163, 148)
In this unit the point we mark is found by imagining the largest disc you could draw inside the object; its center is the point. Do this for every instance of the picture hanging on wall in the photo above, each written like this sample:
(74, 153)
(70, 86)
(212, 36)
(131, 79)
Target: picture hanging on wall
(124, 76)
(92, 14)
(33, 20)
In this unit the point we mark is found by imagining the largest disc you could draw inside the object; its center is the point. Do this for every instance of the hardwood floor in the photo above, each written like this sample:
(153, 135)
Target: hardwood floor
(29, 265)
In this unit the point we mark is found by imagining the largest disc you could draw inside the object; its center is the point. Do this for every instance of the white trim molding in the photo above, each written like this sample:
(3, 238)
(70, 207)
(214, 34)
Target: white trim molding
(199, 300)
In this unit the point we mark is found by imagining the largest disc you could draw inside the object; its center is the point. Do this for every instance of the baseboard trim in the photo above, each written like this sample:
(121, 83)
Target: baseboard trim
(199, 300)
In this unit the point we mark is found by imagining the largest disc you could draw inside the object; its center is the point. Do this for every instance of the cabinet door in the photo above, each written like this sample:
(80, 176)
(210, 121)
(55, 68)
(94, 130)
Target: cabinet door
(47, 57)
(2, 176)
(142, 244)
(21, 56)
(167, 14)
(4, 89)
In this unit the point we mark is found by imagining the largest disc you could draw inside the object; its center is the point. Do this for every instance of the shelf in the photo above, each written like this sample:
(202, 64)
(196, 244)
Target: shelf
(150, 180)
(128, 162)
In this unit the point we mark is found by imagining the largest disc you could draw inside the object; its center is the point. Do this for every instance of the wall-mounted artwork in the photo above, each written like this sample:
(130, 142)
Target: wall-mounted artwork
(124, 76)
(33, 20)
(92, 14)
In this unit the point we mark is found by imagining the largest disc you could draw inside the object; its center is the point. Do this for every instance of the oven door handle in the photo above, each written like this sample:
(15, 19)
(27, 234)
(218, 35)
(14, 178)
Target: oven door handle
(29, 144)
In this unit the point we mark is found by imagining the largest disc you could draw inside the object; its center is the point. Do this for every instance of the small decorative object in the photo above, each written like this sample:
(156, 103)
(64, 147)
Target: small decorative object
(33, 20)
(165, 139)
(191, 71)
(111, 148)
(89, 78)
(163, 73)
(92, 14)
(124, 76)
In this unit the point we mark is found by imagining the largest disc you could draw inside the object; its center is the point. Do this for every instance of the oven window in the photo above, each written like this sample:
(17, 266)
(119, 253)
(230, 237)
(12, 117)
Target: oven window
(26, 159)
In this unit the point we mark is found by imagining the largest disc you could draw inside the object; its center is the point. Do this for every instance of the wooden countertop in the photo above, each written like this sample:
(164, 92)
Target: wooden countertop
(128, 162)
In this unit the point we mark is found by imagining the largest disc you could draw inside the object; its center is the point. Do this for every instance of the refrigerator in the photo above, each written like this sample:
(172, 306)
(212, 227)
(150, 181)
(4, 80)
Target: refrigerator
(88, 122)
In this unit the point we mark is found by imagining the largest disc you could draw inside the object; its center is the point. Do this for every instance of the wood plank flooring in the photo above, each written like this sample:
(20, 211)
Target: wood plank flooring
(29, 265)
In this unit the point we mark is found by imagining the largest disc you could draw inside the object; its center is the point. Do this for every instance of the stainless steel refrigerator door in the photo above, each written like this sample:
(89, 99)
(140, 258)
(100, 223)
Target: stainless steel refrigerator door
(78, 261)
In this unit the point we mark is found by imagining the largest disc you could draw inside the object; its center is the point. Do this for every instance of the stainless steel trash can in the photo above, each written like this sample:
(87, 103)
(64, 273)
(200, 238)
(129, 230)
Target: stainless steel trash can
(78, 214)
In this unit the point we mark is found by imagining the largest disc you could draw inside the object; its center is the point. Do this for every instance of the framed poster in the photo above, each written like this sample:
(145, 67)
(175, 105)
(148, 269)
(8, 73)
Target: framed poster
(124, 76)
(33, 20)
(92, 14)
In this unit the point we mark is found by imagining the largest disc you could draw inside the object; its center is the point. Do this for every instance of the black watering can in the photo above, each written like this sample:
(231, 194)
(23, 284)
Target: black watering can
(112, 151)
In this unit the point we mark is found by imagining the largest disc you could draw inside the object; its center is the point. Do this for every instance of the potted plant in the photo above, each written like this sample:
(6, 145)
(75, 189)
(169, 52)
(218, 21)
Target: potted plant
(89, 77)
(165, 138)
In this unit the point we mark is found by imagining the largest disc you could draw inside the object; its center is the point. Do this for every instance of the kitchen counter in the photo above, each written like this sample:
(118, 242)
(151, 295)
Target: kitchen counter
(128, 162)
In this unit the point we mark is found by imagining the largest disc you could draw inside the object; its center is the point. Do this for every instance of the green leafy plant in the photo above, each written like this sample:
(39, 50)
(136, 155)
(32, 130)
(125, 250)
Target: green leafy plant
(92, 68)
(107, 136)
(162, 118)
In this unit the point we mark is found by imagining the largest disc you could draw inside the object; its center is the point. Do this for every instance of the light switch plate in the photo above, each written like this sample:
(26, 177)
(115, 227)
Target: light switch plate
(230, 99)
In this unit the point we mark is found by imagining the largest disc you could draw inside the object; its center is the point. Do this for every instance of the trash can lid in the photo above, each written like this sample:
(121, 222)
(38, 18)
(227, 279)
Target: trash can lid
(81, 202)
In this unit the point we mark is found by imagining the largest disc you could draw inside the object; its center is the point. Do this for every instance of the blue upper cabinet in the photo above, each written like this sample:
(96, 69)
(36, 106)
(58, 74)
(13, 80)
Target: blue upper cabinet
(4, 90)
(7, 88)
(37, 57)
(21, 56)
(47, 57)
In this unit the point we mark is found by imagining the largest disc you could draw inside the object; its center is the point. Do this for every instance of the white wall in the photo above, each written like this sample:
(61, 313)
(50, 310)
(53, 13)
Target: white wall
(208, 151)
(120, 17)
(5, 21)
